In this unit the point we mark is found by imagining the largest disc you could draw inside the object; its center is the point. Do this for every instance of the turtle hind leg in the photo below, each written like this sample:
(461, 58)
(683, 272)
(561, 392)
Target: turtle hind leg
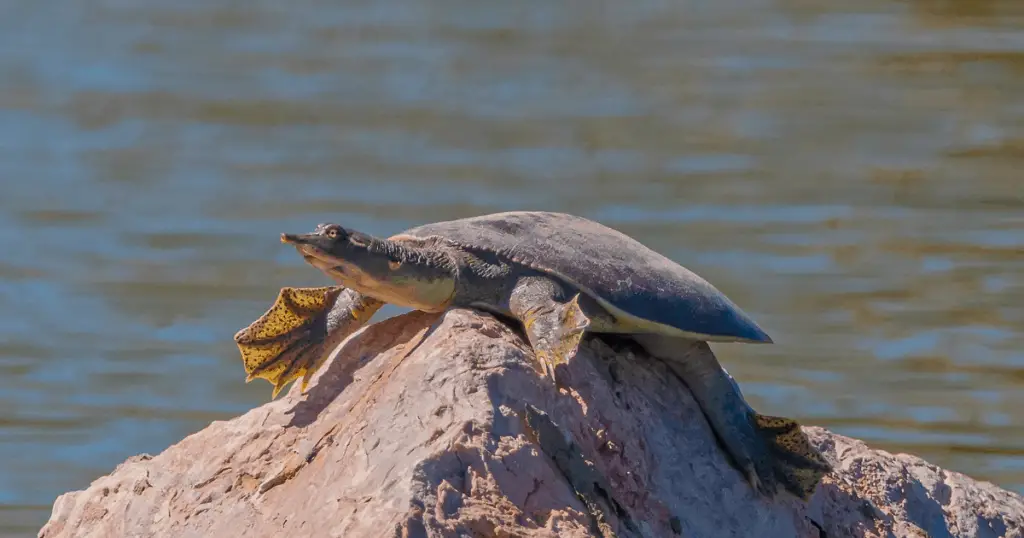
(770, 452)
(553, 327)
(292, 339)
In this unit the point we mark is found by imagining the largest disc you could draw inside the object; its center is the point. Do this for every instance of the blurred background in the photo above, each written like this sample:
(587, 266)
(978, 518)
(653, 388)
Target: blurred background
(851, 176)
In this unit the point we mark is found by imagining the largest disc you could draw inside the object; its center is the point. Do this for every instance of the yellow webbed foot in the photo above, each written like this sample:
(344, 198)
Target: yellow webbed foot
(798, 465)
(286, 342)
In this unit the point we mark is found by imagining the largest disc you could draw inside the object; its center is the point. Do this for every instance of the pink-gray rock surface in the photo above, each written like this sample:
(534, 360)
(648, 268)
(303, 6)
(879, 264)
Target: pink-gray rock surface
(427, 425)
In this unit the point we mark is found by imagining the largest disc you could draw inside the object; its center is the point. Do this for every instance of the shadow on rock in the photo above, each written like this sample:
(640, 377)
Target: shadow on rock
(354, 353)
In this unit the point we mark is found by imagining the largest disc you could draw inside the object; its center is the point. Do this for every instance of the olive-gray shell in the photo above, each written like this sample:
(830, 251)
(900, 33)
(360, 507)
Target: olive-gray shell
(616, 267)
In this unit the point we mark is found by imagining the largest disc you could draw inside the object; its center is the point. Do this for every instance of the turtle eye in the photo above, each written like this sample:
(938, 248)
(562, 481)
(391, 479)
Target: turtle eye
(332, 231)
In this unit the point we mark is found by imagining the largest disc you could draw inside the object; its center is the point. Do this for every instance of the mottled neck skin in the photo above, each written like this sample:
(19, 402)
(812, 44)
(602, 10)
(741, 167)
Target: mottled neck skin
(410, 275)
(482, 278)
(429, 274)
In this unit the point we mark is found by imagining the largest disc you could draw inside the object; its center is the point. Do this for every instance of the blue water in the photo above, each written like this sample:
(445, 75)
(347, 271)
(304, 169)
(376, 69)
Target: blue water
(848, 174)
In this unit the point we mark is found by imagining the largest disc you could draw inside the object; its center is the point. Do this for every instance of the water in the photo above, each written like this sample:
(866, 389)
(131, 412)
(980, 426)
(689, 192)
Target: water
(850, 175)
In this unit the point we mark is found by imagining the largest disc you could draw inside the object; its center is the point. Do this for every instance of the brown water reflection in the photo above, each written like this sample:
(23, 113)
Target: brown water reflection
(850, 175)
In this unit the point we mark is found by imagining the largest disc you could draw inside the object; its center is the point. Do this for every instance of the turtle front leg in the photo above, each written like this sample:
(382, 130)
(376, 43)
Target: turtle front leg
(553, 325)
(294, 337)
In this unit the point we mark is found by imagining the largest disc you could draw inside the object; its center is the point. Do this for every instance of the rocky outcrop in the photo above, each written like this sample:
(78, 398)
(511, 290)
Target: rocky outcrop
(427, 425)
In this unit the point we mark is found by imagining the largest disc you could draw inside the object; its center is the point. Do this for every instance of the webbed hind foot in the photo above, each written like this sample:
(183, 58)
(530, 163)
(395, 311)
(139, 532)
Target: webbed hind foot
(770, 452)
(797, 465)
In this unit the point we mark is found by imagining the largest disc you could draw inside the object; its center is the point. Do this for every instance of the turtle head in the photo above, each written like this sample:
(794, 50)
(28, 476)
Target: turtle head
(397, 272)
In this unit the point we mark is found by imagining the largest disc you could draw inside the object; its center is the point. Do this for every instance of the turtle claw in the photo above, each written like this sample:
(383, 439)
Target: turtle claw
(750, 473)
(547, 365)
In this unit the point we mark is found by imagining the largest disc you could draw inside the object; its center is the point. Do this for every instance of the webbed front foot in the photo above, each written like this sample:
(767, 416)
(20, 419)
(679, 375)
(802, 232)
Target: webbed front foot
(292, 338)
(558, 333)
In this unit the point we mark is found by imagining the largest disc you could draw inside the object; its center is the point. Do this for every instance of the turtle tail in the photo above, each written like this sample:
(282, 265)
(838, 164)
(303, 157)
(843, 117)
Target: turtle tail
(797, 465)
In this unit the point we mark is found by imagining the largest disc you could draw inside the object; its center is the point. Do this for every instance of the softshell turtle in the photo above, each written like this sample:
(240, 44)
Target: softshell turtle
(559, 275)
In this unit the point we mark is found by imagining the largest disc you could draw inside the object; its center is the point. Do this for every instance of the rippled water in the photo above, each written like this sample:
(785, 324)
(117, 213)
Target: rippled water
(851, 176)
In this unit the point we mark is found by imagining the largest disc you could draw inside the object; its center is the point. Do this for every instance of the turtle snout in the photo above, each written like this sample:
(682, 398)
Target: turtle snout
(312, 240)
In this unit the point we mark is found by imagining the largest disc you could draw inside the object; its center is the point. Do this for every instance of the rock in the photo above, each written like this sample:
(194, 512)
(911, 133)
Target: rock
(430, 425)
